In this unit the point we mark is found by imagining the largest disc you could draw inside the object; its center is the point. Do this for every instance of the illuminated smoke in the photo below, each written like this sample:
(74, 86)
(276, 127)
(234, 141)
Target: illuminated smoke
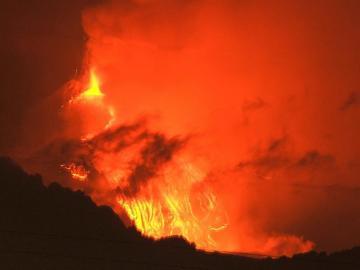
(221, 121)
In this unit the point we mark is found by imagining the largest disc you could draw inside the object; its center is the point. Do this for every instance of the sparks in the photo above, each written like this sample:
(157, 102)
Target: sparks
(77, 172)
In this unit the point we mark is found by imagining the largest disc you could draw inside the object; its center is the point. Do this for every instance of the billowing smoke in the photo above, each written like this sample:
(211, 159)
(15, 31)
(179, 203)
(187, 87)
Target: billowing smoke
(266, 95)
(153, 150)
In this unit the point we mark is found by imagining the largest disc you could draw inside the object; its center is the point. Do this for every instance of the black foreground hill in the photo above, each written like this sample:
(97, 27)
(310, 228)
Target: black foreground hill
(55, 228)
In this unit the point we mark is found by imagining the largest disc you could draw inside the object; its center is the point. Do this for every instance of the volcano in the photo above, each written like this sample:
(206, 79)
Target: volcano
(230, 125)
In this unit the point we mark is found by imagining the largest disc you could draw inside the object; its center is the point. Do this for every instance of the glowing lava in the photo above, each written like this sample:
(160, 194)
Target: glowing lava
(142, 176)
(94, 90)
(77, 172)
(170, 206)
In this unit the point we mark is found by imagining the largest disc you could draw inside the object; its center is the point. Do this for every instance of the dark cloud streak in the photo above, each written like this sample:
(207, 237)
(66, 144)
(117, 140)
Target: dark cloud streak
(351, 101)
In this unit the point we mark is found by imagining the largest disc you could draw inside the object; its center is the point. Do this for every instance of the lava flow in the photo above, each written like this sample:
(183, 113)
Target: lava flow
(143, 174)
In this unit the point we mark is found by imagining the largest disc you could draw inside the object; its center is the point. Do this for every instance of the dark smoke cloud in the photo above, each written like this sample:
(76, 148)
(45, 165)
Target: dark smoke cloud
(351, 101)
(314, 159)
(277, 155)
(155, 150)
(158, 151)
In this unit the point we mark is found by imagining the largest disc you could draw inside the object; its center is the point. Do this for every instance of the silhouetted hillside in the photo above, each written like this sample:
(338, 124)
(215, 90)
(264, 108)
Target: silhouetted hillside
(55, 228)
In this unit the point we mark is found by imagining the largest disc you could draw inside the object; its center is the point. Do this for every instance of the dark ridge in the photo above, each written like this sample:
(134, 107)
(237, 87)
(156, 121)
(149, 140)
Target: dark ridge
(55, 228)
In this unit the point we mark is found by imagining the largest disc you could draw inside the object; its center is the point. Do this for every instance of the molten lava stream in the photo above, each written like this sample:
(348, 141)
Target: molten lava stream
(171, 210)
(174, 200)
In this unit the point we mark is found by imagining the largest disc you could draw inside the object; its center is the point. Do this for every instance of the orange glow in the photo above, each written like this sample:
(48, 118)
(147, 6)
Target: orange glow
(88, 102)
(168, 204)
(178, 199)
(205, 119)
(164, 134)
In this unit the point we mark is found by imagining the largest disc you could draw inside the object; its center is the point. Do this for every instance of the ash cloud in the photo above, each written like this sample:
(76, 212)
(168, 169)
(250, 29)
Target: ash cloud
(278, 156)
(352, 100)
(152, 151)
(157, 152)
(314, 159)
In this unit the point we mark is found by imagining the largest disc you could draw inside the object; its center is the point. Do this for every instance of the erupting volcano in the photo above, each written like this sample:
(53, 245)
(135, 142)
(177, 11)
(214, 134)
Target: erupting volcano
(229, 123)
(151, 180)
(134, 170)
